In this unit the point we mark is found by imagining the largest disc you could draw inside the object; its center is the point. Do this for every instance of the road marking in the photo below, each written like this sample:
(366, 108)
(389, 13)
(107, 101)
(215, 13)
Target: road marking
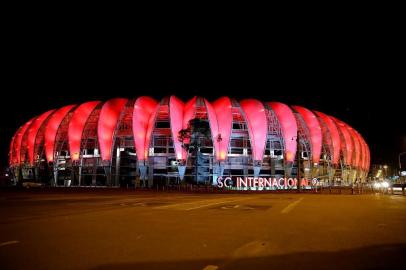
(9, 243)
(230, 207)
(210, 204)
(211, 267)
(176, 204)
(185, 203)
(200, 204)
(290, 207)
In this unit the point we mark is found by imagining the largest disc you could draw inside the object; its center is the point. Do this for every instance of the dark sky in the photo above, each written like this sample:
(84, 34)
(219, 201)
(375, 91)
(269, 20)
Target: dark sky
(359, 83)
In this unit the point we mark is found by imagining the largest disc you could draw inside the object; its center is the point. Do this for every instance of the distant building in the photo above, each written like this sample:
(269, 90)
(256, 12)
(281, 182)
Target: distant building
(143, 141)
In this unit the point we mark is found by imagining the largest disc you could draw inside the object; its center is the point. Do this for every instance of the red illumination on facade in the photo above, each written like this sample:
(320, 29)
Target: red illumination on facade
(363, 151)
(10, 154)
(145, 109)
(214, 128)
(189, 111)
(315, 131)
(18, 142)
(109, 115)
(176, 118)
(346, 144)
(357, 147)
(334, 135)
(51, 130)
(76, 126)
(180, 114)
(32, 134)
(221, 120)
(368, 158)
(255, 117)
(364, 159)
(288, 124)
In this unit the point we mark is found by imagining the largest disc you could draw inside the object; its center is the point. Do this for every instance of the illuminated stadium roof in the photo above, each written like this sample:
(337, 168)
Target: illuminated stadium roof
(37, 139)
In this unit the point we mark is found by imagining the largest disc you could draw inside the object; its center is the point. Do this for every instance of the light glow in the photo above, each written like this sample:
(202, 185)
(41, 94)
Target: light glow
(145, 109)
(76, 126)
(288, 125)
(109, 115)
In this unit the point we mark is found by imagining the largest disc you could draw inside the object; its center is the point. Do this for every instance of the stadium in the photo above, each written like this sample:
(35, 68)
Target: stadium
(143, 142)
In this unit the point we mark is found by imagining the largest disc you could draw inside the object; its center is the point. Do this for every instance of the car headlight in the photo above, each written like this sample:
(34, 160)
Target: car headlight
(385, 184)
(377, 185)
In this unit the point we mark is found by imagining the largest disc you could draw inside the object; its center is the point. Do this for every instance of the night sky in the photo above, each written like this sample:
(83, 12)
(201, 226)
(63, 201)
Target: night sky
(359, 84)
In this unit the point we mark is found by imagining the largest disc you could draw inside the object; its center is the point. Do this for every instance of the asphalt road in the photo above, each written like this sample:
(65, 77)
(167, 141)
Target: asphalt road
(149, 230)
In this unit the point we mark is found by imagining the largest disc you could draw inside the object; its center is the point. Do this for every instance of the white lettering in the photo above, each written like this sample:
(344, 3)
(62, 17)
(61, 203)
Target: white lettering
(227, 179)
(261, 182)
(220, 182)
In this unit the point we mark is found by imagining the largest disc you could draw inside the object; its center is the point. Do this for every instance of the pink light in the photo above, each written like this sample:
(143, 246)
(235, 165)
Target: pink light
(363, 150)
(357, 146)
(51, 129)
(109, 116)
(189, 111)
(346, 144)
(145, 109)
(288, 125)
(363, 153)
(221, 119)
(10, 154)
(257, 126)
(180, 114)
(315, 131)
(368, 158)
(214, 127)
(364, 159)
(18, 142)
(77, 124)
(334, 136)
(338, 135)
(290, 156)
(32, 134)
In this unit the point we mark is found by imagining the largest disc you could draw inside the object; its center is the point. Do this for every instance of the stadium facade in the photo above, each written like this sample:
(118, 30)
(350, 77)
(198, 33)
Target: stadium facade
(144, 142)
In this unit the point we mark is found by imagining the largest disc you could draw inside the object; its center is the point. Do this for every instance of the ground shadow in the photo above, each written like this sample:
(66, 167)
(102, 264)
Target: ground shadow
(390, 256)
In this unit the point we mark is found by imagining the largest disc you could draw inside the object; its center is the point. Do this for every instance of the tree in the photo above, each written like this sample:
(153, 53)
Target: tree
(196, 135)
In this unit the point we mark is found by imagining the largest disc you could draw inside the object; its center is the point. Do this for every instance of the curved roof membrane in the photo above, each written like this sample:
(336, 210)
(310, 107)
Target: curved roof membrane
(257, 126)
(315, 131)
(287, 120)
(52, 128)
(347, 145)
(144, 110)
(76, 126)
(108, 118)
(334, 136)
(32, 134)
(221, 120)
(238, 130)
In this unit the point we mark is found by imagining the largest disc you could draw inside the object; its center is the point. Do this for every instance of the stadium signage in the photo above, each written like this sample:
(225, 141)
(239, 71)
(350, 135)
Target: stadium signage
(263, 182)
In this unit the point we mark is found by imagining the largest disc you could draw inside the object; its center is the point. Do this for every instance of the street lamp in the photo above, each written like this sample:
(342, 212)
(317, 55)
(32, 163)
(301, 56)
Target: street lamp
(386, 171)
(400, 164)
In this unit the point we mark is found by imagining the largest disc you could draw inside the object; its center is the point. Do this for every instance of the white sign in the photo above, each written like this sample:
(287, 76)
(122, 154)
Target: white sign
(264, 182)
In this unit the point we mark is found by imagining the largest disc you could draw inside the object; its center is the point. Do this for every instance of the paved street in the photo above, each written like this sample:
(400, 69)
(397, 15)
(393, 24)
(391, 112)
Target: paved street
(115, 229)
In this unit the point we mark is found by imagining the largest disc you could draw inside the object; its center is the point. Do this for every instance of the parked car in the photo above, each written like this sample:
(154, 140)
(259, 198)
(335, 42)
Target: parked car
(398, 189)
